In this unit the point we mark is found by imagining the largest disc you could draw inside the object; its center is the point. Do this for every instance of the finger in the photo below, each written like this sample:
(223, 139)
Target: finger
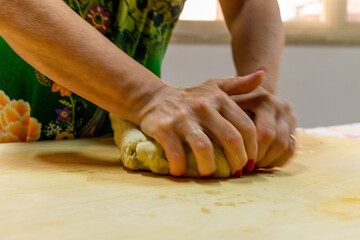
(228, 137)
(289, 117)
(285, 127)
(174, 152)
(283, 159)
(163, 131)
(241, 85)
(244, 125)
(201, 146)
(265, 122)
(278, 147)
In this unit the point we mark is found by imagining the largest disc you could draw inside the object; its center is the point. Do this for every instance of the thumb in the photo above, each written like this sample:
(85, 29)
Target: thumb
(241, 85)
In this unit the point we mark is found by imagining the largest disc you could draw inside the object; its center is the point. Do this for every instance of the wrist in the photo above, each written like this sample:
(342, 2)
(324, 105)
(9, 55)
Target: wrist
(147, 102)
(270, 83)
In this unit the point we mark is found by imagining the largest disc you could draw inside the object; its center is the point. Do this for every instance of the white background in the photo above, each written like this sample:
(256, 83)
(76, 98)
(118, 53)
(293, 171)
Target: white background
(321, 82)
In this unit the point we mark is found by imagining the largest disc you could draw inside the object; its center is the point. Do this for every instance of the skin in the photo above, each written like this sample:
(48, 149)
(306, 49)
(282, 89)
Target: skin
(257, 38)
(169, 120)
(56, 41)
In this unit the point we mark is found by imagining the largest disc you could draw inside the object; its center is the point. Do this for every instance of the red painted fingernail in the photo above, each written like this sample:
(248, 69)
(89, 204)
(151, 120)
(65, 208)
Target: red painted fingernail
(250, 165)
(263, 68)
(238, 173)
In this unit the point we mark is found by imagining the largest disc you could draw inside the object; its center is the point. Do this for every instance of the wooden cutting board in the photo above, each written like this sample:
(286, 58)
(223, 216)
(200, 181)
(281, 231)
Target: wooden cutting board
(76, 189)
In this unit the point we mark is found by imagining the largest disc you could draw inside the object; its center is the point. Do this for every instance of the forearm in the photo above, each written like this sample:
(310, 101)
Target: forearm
(60, 44)
(257, 37)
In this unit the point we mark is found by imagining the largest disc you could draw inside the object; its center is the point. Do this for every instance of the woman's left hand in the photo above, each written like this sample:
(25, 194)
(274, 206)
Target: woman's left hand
(275, 126)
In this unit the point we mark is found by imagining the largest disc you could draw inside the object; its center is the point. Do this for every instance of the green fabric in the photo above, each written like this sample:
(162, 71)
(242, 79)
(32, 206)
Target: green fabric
(141, 28)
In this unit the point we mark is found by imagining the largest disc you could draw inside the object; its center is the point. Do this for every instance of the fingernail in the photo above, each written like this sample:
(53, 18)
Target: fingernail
(238, 173)
(263, 68)
(250, 165)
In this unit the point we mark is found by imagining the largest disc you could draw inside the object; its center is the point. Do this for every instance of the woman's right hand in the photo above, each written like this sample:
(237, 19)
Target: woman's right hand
(173, 116)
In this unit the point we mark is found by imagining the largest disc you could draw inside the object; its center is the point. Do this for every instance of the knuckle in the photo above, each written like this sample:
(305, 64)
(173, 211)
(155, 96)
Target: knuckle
(249, 130)
(202, 144)
(177, 156)
(165, 124)
(181, 114)
(233, 139)
(267, 134)
(219, 96)
(151, 130)
(199, 104)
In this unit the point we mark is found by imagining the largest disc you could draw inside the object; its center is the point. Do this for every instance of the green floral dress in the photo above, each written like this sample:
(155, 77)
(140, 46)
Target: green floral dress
(33, 107)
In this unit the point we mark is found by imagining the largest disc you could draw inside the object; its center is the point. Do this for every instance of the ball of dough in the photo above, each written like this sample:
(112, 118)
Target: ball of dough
(140, 152)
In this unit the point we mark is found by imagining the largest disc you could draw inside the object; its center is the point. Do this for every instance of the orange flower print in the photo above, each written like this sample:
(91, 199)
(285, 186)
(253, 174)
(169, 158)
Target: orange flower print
(4, 99)
(63, 91)
(16, 125)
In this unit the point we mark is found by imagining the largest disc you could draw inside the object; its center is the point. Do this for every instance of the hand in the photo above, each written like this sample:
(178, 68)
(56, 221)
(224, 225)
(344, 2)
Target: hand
(174, 115)
(275, 126)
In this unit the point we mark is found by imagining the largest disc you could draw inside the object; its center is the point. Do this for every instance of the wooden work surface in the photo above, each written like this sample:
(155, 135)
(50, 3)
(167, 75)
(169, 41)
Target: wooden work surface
(76, 189)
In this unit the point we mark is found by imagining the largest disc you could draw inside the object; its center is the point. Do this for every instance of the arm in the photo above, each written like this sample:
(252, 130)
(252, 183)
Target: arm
(54, 39)
(60, 44)
(257, 38)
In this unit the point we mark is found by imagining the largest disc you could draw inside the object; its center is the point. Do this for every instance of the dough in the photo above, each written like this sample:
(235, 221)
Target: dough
(140, 152)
